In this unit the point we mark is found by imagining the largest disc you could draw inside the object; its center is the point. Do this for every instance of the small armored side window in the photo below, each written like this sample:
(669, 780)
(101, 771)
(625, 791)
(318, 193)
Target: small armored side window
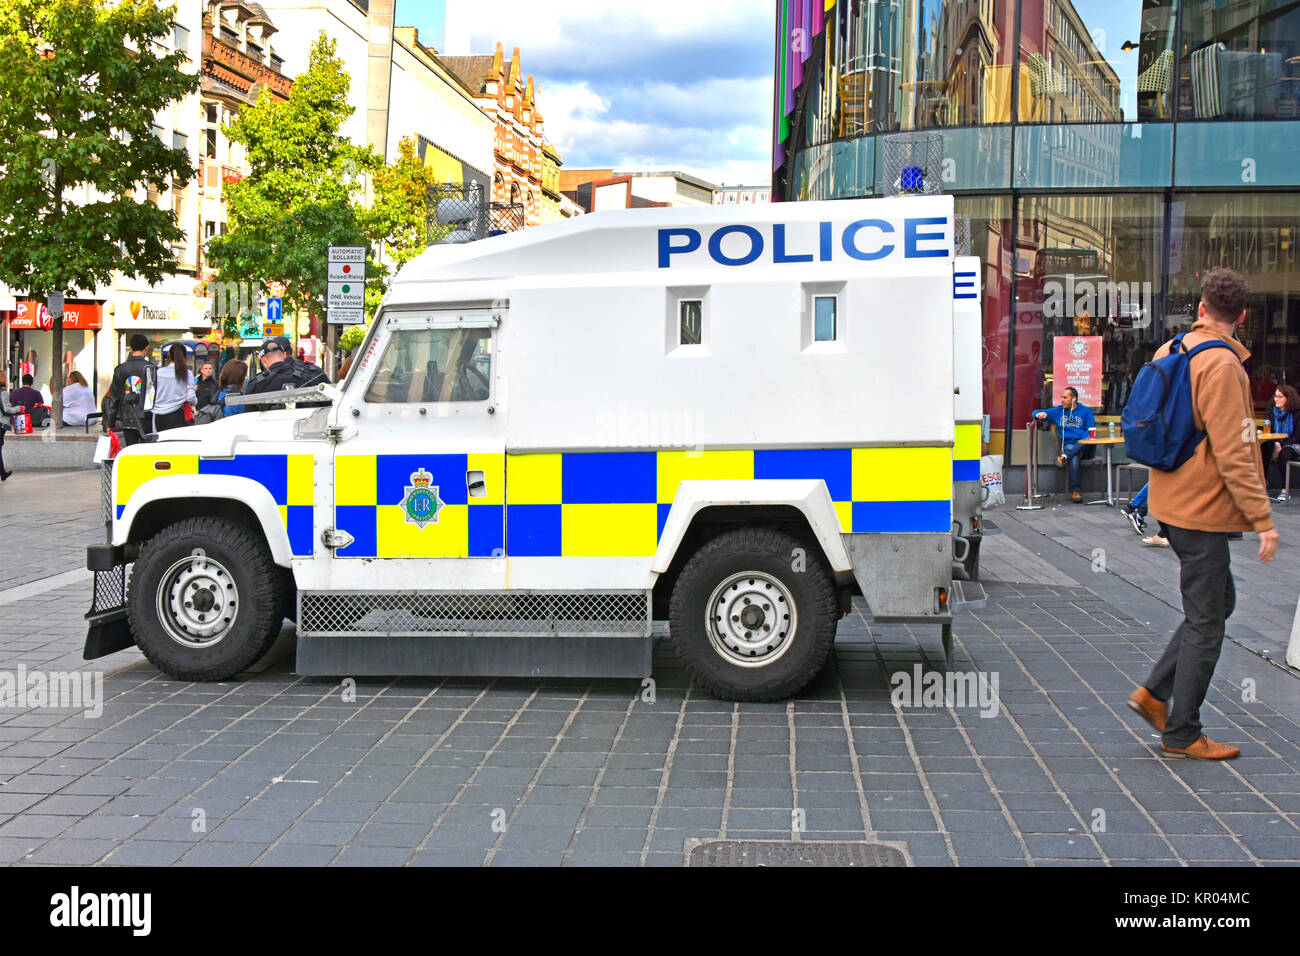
(692, 321)
(824, 318)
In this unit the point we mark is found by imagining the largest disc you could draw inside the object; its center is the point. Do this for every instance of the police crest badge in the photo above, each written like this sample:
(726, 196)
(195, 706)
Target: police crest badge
(422, 504)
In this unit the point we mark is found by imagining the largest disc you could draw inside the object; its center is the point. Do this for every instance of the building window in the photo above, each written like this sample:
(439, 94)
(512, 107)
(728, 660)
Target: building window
(211, 112)
(210, 143)
(824, 318)
(691, 321)
(180, 37)
(229, 36)
(255, 51)
(180, 141)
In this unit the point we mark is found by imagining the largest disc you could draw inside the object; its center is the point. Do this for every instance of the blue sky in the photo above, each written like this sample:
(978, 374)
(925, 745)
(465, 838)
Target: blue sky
(681, 83)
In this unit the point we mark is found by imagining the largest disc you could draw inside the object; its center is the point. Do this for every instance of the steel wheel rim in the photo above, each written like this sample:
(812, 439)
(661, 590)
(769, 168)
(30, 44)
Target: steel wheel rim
(197, 601)
(751, 619)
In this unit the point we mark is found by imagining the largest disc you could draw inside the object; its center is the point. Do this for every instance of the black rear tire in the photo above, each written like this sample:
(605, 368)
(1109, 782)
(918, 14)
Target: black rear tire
(205, 554)
(739, 571)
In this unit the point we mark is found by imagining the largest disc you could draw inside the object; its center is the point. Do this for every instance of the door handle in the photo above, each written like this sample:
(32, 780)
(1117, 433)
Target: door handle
(476, 483)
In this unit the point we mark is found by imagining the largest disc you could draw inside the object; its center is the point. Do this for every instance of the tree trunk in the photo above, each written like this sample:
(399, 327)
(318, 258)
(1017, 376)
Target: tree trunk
(56, 350)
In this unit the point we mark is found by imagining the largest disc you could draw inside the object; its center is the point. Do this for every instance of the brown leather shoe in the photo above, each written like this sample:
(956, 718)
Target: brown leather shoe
(1203, 749)
(1154, 712)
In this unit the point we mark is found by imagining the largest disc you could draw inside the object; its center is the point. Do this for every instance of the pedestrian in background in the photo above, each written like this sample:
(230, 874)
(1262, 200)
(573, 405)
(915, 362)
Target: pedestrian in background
(1136, 512)
(175, 392)
(78, 399)
(6, 409)
(1283, 419)
(233, 374)
(1219, 490)
(27, 396)
(1074, 422)
(124, 404)
(206, 388)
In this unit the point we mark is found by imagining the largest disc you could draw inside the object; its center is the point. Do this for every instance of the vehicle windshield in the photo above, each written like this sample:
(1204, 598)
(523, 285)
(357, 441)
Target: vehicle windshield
(434, 365)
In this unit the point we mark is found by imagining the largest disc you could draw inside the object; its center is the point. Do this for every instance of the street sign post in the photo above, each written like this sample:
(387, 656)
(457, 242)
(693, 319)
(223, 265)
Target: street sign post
(274, 319)
(54, 305)
(345, 300)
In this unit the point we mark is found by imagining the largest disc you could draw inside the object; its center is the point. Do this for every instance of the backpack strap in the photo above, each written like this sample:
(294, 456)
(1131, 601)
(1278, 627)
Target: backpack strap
(1212, 343)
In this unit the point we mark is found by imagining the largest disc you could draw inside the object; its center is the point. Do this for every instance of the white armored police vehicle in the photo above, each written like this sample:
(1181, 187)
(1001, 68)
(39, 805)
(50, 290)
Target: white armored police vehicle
(552, 439)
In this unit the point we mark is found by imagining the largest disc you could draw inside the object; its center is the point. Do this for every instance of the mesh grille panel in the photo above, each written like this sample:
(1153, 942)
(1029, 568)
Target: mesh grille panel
(110, 589)
(475, 613)
(904, 155)
(106, 491)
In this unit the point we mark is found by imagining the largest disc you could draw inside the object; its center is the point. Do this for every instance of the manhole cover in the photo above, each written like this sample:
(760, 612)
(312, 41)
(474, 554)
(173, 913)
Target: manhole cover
(791, 853)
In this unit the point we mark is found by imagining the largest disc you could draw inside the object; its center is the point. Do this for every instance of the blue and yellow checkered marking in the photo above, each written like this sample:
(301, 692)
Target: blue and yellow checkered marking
(615, 504)
(288, 479)
(966, 453)
(371, 490)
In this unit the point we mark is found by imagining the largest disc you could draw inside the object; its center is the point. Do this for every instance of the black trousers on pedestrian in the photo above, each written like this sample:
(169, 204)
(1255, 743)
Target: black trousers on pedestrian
(1276, 468)
(1184, 670)
(174, 419)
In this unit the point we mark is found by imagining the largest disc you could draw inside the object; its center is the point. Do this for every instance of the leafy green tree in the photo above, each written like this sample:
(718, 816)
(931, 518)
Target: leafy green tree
(80, 84)
(398, 217)
(304, 188)
(351, 337)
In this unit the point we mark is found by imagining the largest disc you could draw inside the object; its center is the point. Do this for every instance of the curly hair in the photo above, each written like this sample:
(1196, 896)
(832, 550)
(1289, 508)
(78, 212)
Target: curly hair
(1224, 293)
(1292, 398)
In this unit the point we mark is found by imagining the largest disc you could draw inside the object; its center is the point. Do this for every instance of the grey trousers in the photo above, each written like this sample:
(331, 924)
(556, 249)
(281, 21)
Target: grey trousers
(1209, 596)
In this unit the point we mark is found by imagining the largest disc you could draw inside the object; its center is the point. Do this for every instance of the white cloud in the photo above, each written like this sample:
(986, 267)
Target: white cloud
(680, 83)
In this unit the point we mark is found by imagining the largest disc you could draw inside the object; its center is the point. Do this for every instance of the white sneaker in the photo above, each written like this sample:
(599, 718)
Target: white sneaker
(1155, 541)
(1283, 497)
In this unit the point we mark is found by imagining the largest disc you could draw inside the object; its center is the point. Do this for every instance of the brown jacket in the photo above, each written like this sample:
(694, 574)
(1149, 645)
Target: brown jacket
(1221, 487)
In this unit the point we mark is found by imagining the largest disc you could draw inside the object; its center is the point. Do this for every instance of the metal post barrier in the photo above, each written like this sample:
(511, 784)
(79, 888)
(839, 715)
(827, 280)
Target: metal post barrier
(1032, 498)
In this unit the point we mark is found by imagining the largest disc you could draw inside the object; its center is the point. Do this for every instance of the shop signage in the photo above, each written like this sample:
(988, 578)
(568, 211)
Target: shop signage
(168, 312)
(1076, 362)
(76, 315)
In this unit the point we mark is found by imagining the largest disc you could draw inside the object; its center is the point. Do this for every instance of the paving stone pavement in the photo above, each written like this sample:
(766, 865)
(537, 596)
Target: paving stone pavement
(276, 769)
(1267, 594)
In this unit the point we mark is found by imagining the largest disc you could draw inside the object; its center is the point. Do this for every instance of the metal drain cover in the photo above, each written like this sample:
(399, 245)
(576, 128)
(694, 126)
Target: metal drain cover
(792, 853)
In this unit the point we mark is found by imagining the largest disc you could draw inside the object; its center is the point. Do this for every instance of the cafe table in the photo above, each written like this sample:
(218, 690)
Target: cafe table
(1108, 443)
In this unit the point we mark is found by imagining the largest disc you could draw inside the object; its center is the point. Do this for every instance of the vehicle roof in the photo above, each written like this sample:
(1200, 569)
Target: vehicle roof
(627, 240)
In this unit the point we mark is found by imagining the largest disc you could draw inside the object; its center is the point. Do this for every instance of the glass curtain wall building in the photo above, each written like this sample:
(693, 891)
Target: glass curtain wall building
(1106, 153)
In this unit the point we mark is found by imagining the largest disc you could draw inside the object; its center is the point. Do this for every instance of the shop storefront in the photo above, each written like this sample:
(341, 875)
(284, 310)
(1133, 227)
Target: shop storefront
(161, 317)
(29, 342)
(1103, 154)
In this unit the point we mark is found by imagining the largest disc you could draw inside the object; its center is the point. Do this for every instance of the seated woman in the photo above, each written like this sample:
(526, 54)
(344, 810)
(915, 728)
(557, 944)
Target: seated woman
(1284, 419)
(78, 399)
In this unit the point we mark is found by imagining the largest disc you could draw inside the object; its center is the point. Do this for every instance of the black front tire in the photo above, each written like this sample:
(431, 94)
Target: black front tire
(246, 571)
(757, 559)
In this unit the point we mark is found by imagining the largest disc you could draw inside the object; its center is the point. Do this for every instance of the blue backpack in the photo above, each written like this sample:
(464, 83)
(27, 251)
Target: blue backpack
(1159, 429)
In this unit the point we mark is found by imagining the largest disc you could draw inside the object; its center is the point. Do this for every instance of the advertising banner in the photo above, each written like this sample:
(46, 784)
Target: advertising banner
(1076, 361)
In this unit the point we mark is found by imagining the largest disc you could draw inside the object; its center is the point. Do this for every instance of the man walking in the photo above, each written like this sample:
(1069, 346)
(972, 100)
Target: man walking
(1074, 422)
(124, 410)
(1218, 491)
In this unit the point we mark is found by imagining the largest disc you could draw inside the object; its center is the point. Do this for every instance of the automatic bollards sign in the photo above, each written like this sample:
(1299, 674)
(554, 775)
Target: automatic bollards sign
(346, 298)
